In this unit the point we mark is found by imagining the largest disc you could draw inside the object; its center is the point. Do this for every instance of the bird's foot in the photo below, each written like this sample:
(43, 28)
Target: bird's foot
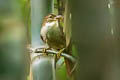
(44, 51)
(59, 53)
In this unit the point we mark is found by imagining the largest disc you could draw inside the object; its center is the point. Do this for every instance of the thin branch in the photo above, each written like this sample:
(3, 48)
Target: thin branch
(40, 50)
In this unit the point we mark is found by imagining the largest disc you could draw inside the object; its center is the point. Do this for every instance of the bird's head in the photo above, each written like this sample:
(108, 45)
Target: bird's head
(51, 18)
(48, 18)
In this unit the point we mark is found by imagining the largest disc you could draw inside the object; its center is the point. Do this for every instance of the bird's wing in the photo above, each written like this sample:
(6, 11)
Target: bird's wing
(42, 38)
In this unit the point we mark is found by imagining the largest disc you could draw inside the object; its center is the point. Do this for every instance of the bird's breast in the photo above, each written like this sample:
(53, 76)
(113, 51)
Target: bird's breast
(46, 28)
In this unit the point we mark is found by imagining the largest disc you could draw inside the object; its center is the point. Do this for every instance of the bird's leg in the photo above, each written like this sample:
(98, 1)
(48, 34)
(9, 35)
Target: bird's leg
(44, 51)
(59, 53)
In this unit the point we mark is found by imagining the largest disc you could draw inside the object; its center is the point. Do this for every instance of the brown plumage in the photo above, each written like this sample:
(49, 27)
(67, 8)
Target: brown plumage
(52, 32)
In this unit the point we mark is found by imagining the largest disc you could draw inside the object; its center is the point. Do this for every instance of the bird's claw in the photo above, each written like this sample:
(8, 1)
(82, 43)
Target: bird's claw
(59, 53)
(44, 51)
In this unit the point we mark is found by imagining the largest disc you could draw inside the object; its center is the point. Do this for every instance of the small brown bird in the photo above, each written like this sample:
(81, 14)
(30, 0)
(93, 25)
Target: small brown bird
(52, 32)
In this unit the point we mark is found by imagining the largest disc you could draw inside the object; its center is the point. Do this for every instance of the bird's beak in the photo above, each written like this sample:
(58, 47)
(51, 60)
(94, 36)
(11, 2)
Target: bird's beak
(59, 17)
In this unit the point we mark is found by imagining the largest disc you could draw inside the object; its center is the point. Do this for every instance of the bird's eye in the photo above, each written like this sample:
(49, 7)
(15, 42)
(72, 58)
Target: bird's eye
(50, 17)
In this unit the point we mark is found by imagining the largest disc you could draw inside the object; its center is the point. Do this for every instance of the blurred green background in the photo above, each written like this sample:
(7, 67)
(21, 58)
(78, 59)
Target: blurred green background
(92, 31)
(14, 58)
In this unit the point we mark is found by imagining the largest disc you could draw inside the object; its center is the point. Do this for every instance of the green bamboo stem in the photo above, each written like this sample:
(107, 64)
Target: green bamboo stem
(42, 68)
(95, 32)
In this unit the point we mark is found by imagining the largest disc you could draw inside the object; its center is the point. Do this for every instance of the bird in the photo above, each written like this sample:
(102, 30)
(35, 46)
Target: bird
(53, 35)
(52, 32)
